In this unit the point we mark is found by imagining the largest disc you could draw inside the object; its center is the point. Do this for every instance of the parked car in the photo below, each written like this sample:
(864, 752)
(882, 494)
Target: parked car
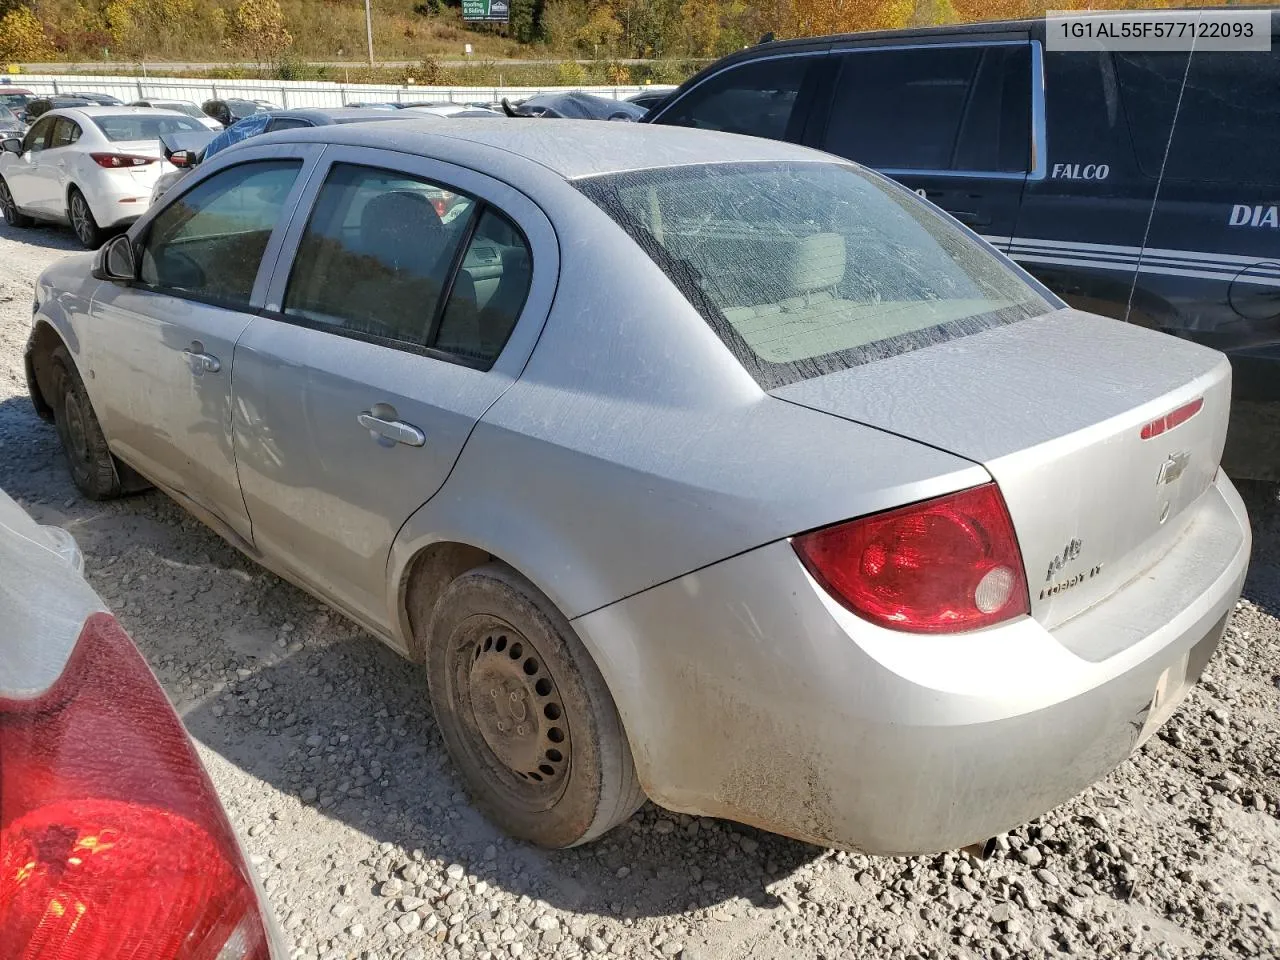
(574, 105)
(39, 107)
(10, 125)
(450, 110)
(91, 167)
(1059, 159)
(105, 808)
(16, 99)
(186, 107)
(232, 110)
(101, 99)
(255, 125)
(374, 106)
(786, 511)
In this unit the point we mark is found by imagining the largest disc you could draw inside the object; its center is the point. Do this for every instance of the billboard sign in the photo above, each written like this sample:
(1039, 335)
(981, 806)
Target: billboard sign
(487, 11)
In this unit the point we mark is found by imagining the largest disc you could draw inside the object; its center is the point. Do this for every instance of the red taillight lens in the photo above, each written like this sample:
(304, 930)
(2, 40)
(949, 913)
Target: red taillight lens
(112, 840)
(114, 161)
(941, 566)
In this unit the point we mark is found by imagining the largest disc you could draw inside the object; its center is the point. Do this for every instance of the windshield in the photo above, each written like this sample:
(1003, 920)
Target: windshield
(135, 126)
(806, 268)
(15, 101)
(7, 116)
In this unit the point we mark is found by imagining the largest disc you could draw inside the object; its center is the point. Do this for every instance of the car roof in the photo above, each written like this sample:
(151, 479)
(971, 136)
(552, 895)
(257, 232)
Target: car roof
(570, 148)
(105, 110)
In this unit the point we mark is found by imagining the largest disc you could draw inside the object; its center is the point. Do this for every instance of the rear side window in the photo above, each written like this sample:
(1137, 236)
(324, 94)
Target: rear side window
(806, 268)
(209, 243)
(940, 108)
(65, 132)
(394, 257)
(757, 99)
(1226, 128)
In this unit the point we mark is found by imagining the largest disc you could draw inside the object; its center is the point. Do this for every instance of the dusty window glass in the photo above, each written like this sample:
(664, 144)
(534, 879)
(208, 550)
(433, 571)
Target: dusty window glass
(209, 242)
(756, 99)
(377, 254)
(805, 268)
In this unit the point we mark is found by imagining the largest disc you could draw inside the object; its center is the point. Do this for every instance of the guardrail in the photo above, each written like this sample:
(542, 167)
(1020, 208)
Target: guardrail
(291, 93)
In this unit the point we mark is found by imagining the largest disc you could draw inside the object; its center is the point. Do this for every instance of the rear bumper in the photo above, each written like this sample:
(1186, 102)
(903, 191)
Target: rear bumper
(747, 693)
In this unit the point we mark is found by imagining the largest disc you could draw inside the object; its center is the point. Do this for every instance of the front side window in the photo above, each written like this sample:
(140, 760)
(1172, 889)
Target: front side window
(209, 242)
(934, 108)
(757, 99)
(38, 136)
(121, 128)
(807, 268)
(65, 132)
(394, 257)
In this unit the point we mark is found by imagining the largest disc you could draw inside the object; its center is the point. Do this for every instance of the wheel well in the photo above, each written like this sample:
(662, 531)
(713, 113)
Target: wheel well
(425, 579)
(45, 341)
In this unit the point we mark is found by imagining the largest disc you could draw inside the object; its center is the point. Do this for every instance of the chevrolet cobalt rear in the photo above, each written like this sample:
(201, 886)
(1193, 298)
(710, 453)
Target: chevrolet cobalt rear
(704, 468)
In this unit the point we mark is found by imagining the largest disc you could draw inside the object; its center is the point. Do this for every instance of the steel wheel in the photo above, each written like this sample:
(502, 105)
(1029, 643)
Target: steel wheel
(524, 712)
(512, 710)
(82, 222)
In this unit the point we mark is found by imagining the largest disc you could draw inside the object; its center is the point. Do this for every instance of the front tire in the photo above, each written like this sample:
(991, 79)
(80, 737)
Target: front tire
(85, 226)
(9, 208)
(525, 713)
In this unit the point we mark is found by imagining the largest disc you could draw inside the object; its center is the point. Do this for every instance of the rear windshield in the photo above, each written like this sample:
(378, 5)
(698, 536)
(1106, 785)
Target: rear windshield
(807, 268)
(140, 126)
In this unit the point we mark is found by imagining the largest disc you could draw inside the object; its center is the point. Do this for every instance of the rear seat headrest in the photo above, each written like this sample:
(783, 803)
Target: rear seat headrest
(817, 263)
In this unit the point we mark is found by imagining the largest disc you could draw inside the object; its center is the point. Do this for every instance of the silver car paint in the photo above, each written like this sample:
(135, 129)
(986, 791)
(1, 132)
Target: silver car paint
(641, 478)
(1053, 407)
(748, 693)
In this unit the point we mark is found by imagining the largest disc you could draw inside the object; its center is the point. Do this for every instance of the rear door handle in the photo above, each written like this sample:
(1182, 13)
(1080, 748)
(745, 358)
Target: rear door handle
(389, 432)
(199, 361)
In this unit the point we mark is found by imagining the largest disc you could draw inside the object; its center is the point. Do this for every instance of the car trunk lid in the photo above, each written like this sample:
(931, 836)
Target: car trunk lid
(1055, 409)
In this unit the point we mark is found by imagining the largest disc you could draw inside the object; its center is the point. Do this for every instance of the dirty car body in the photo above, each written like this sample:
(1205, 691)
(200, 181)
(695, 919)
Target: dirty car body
(874, 542)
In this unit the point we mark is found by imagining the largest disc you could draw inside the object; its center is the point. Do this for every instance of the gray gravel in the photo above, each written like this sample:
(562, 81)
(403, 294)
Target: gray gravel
(324, 751)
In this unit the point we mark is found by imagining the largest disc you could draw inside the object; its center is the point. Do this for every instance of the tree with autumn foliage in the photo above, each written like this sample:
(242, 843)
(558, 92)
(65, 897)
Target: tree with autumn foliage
(258, 30)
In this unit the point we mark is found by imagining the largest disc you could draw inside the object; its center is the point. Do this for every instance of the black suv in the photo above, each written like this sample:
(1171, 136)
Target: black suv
(1142, 186)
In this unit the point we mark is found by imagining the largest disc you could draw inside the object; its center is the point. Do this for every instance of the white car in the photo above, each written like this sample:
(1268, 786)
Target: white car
(185, 107)
(91, 167)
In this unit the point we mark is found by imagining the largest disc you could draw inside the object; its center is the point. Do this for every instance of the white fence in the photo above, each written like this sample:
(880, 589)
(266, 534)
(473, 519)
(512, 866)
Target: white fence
(291, 93)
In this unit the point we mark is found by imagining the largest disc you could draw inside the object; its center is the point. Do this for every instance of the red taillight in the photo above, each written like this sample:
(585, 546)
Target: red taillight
(441, 207)
(1172, 419)
(941, 566)
(113, 161)
(112, 839)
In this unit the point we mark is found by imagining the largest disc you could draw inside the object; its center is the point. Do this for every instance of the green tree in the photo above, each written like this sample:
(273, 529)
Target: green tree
(701, 21)
(526, 20)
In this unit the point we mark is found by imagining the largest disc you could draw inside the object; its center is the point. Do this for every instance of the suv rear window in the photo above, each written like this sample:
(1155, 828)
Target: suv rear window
(807, 268)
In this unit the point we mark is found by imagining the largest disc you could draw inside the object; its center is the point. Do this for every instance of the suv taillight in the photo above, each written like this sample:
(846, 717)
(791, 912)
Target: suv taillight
(940, 566)
(112, 839)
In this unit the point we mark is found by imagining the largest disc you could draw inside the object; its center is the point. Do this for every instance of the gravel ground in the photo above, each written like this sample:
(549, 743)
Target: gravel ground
(322, 745)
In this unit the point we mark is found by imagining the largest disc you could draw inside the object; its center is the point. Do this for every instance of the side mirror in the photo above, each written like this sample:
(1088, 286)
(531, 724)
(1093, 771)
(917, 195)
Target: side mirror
(11, 145)
(115, 261)
(183, 158)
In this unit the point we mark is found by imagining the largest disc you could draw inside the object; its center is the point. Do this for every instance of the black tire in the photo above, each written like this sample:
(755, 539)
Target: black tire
(83, 224)
(544, 755)
(93, 468)
(9, 209)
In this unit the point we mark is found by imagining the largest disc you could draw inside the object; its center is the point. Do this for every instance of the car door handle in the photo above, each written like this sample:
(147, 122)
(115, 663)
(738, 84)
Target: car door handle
(391, 432)
(201, 362)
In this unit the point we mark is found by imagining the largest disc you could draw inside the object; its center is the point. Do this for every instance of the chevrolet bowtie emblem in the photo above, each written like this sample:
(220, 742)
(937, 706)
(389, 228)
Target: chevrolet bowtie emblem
(1173, 467)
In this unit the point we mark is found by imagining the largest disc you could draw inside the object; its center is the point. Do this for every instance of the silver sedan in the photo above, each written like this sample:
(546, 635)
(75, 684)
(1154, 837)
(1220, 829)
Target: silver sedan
(708, 469)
